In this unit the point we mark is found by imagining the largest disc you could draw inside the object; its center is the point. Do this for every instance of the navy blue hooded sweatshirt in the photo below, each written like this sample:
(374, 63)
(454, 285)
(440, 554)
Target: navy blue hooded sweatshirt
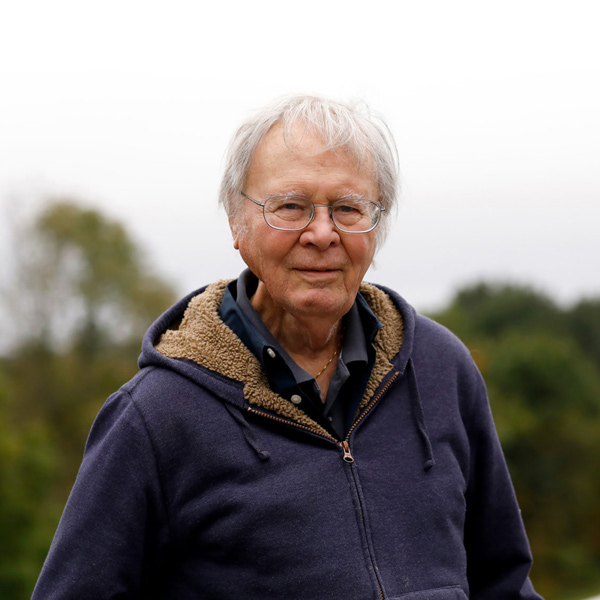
(198, 481)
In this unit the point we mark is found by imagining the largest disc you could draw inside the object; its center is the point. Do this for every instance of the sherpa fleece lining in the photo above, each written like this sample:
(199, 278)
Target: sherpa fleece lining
(203, 338)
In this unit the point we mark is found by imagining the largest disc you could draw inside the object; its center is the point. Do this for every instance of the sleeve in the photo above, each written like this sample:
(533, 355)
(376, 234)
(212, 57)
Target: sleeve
(111, 538)
(498, 554)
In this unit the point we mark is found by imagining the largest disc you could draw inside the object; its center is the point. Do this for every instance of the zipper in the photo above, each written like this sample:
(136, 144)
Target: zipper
(350, 459)
(347, 453)
(292, 423)
(365, 412)
(343, 444)
(362, 518)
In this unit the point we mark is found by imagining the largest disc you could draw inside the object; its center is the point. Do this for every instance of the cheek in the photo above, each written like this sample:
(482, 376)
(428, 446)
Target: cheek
(258, 251)
(243, 230)
(362, 253)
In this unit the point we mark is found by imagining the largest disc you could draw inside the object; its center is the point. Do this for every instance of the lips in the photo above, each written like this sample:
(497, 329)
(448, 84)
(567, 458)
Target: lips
(319, 276)
(317, 272)
(317, 269)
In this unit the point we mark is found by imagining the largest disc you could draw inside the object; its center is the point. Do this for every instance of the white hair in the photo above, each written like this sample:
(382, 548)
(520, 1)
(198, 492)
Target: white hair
(351, 127)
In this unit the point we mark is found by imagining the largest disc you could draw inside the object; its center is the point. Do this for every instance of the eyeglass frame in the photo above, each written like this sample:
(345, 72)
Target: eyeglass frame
(313, 212)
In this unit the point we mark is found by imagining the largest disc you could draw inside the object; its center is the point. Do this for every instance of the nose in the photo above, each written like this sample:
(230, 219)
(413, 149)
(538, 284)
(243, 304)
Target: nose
(321, 231)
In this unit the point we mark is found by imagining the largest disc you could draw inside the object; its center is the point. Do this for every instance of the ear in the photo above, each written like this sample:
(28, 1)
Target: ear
(235, 228)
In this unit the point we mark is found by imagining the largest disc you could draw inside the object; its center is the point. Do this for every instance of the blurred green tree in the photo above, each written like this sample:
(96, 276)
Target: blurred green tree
(81, 280)
(583, 321)
(491, 310)
(27, 461)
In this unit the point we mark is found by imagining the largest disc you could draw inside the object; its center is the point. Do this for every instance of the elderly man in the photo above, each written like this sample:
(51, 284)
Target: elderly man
(296, 433)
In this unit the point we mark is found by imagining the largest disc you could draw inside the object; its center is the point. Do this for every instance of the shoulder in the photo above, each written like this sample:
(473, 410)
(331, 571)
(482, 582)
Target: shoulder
(165, 393)
(163, 414)
(439, 339)
(421, 335)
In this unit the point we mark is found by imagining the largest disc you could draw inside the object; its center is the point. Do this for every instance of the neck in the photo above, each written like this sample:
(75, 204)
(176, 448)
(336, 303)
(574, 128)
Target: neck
(309, 336)
(313, 340)
(313, 346)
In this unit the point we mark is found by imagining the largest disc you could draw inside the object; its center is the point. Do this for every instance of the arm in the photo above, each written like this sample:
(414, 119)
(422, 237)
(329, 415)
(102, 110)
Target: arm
(498, 552)
(108, 543)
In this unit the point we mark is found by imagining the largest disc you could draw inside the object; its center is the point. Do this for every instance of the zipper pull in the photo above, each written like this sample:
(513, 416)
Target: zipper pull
(347, 454)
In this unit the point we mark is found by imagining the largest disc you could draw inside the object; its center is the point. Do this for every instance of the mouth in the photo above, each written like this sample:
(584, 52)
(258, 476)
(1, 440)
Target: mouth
(317, 273)
(317, 269)
(313, 270)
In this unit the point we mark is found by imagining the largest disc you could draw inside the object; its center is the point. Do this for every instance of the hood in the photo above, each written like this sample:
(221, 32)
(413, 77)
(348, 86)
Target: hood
(192, 330)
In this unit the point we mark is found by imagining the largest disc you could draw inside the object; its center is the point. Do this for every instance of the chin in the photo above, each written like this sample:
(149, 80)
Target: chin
(319, 302)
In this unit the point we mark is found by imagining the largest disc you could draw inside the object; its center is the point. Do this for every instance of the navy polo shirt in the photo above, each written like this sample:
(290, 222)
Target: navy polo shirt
(289, 380)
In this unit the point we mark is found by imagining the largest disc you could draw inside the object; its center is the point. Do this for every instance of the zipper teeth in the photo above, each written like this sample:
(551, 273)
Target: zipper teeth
(293, 423)
(360, 418)
(372, 404)
(330, 437)
(362, 516)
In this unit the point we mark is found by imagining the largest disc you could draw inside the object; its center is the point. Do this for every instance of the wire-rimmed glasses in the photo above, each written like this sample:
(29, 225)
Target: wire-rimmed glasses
(293, 213)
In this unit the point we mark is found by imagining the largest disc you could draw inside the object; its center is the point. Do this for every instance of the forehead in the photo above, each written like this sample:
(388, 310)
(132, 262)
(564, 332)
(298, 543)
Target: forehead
(295, 154)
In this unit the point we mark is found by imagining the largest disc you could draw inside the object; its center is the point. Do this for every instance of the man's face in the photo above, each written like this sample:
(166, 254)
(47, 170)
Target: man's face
(316, 271)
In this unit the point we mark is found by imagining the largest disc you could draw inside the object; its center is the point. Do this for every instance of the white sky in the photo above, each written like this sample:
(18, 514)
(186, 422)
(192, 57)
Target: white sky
(129, 105)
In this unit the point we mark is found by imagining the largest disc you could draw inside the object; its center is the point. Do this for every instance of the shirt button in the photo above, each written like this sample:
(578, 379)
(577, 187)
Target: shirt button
(296, 399)
(271, 352)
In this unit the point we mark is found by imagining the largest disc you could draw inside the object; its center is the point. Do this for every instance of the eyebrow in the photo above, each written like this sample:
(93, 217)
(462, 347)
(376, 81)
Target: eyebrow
(290, 194)
(352, 196)
(341, 196)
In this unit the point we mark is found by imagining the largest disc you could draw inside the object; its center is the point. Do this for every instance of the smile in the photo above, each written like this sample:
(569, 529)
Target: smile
(319, 274)
(318, 270)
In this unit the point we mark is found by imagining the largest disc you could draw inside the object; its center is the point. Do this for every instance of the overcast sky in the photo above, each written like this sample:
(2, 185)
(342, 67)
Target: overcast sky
(128, 106)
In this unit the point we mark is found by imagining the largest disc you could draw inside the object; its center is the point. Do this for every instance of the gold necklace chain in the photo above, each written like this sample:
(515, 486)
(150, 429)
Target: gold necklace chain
(328, 363)
(331, 359)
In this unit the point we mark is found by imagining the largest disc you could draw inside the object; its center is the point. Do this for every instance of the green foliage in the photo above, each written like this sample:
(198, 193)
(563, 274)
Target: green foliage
(584, 324)
(541, 365)
(490, 310)
(27, 460)
(81, 299)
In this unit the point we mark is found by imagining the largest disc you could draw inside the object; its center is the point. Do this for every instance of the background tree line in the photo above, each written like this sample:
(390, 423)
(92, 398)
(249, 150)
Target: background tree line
(81, 297)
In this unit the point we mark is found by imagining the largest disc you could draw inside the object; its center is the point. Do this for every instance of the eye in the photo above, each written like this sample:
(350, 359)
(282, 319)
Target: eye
(346, 207)
(284, 203)
(287, 208)
(290, 206)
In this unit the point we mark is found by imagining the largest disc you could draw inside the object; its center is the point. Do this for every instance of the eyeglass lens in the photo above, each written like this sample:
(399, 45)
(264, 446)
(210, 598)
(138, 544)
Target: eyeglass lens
(352, 215)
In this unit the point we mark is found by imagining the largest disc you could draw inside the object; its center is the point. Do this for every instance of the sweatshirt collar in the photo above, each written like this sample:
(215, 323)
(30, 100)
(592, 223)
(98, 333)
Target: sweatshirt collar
(237, 312)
